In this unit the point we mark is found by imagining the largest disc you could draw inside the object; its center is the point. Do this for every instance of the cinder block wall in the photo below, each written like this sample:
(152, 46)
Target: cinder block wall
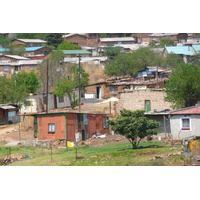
(135, 100)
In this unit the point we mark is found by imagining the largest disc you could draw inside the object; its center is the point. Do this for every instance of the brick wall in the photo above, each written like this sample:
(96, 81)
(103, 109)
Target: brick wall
(135, 100)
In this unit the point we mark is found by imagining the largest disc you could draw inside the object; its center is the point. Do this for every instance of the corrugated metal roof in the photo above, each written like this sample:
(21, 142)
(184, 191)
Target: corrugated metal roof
(32, 40)
(17, 57)
(185, 111)
(71, 34)
(7, 107)
(186, 50)
(196, 47)
(86, 59)
(162, 34)
(77, 52)
(33, 48)
(117, 39)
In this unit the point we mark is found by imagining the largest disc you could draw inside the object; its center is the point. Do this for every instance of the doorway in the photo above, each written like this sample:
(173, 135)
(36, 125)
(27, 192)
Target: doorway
(99, 93)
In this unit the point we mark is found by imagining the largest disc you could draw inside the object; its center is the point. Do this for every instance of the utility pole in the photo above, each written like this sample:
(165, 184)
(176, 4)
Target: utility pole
(47, 86)
(79, 82)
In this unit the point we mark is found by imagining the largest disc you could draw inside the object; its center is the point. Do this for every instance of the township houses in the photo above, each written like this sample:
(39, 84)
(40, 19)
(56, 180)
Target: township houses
(30, 42)
(177, 37)
(10, 64)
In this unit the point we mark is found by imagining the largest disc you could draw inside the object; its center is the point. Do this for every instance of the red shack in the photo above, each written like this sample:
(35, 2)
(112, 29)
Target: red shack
(70, 126)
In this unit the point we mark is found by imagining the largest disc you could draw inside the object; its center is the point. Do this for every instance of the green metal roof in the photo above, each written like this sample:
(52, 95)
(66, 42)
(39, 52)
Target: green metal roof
(196, 47)
(186, 50)
(76, 52)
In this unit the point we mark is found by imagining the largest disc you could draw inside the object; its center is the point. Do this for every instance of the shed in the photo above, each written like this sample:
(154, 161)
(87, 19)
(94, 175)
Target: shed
(72, 127)
(7, 114)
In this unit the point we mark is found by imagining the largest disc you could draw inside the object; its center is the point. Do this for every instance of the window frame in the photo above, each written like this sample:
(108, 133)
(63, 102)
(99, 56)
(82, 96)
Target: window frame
(51, 127)
(184, 127)
(61, 99)
(105, 123)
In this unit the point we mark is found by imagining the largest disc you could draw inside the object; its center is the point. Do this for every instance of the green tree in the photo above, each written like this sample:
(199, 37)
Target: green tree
(134, 126)
(5, 42)
(130, 63)
(30, 80)
(111, 51)
(17, 50)
(65, 45)
(70, 82)
(10, 92)
(31, 35)
(162, 43)
(182, 87)
(54, 39)
(56, 69)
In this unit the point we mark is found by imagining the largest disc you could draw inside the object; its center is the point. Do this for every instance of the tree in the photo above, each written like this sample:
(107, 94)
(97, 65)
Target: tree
(56, 69)
(134, 126)
(182, 88)
(111, 51)
(31, 35)
(11, 93)
(5, 42)
(130, 63)
(162, 43)
(30, 80)
(17, 49)
(68, 84)
(54, 39)
(65, 45)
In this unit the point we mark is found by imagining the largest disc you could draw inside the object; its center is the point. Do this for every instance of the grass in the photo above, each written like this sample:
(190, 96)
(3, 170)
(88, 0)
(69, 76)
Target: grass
(108, 155)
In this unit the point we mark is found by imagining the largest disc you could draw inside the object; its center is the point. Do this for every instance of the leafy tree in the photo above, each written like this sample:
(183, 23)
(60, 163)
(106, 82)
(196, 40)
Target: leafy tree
(162, 43)
(31, 35)
(130, 63)
(65, 45)
(56, 69)
(111, 51)
(182, 88)
(5, 42)
(134, 126)
(54, 39)
(70, 82)
(30, 80)
(17, 50)
(11, 93)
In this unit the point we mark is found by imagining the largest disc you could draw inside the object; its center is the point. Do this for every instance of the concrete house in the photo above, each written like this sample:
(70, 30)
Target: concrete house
(185, 122)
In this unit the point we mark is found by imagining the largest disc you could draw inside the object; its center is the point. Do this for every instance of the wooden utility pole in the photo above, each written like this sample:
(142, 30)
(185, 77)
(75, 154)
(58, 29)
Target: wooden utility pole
(79, 82)
(47, 86)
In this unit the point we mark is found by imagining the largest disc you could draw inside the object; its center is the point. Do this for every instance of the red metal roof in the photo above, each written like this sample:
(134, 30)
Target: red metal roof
(194, 110)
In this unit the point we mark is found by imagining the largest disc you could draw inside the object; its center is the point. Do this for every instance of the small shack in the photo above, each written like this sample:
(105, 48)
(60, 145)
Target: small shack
(8, 114)
(72, 127)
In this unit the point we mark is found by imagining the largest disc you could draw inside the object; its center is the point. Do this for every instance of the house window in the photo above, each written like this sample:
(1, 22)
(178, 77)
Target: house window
(113, 89)
(185, 123)
(51, 128)
(60, 99)
(33, 67)
(6, 68)
(44, 99)
(105, 123)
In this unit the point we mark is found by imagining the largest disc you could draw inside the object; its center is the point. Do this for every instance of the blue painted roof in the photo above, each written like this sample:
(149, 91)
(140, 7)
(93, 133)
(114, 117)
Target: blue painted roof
(186, 50)
(27, 49)
(33, 48)
(196, 47)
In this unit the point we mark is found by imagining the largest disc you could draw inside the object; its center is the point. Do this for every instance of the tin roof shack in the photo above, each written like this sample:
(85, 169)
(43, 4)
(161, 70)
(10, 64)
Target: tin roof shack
(72, 127)
(8, 114)
(30, 42)
(185, 122)
(161, 116)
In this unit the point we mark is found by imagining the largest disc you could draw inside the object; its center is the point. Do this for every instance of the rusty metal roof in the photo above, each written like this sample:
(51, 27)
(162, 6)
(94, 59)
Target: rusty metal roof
(186, 111)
